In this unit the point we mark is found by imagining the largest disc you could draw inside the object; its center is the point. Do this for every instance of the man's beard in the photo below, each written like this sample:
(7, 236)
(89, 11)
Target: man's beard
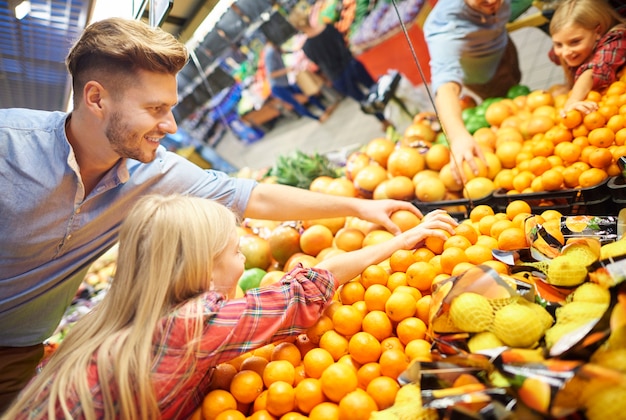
(119, 136)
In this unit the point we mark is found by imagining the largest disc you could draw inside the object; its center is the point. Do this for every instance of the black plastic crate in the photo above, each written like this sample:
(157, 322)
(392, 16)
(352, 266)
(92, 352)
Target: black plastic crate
(594, 201)
(459, 208)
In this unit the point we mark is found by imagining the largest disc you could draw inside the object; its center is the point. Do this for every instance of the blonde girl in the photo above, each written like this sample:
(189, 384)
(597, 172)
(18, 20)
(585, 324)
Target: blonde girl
(589, 42)
(149, 349)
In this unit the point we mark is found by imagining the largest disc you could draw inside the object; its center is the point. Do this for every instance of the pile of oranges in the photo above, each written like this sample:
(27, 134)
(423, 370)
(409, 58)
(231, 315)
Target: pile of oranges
(530, 147)
(347, 364)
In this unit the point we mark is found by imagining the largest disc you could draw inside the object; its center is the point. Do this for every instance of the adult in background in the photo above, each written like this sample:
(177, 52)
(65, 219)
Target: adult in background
(469, 47)
(282, 89)
(326, 47)
(68, 181)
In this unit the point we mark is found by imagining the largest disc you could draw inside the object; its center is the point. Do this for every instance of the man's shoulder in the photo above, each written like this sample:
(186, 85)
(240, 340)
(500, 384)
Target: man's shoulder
(22, 118)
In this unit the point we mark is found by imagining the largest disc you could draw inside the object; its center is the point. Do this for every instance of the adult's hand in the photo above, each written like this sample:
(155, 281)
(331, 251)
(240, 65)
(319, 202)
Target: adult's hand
(463, 148)
(380, 211)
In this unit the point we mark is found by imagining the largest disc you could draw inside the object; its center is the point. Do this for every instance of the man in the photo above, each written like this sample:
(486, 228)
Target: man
(68, 180)
(469, 47)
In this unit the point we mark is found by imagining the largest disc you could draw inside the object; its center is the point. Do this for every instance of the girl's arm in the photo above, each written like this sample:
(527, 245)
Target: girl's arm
(579, 92)
(348, 265)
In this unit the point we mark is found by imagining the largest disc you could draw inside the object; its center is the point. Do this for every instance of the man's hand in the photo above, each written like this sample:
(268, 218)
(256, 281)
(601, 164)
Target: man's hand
(380, 211)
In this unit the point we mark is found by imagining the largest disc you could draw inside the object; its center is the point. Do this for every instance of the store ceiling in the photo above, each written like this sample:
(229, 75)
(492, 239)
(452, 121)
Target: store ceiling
(33, 50)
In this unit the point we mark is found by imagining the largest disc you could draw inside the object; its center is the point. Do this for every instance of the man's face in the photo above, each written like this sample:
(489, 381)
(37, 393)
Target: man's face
(143, 117)
(487, 7)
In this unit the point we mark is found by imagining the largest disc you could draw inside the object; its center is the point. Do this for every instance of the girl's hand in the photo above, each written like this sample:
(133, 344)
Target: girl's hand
(583, 106)
(436, 223)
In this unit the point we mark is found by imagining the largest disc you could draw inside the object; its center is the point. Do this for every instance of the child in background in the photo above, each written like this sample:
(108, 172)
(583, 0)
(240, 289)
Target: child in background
(589, 42)
(149, 348)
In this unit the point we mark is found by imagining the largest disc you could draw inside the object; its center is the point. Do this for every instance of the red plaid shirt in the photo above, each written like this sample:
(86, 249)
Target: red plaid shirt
(607, 59)
(232, 327)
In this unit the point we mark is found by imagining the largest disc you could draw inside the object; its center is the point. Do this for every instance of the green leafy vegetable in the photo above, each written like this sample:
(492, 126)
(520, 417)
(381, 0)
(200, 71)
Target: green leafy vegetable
(300, 169)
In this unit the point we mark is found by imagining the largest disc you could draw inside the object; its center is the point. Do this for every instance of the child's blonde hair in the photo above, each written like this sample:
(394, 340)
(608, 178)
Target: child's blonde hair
(167, 248)
(590, 14)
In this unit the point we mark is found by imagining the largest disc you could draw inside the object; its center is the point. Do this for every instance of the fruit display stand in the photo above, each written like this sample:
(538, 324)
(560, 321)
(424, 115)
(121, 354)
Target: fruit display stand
(519, 313)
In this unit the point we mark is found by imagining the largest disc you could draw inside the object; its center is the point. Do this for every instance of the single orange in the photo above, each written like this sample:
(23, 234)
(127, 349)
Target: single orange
(600, 158)
(222, 376)
(420, 275)
(383, 390)
(419, 349)
(316, 238)
(601, 137)
(351, 292)
(515, 207)
(366, 373)
(451, 257)
(364, 347)
(404, 219)
(378, 324)
(405, 161)
(401, 259)
(357, 405)
(423, 308)
(552, 180)
(393, 362)
(376, 296)
(325, 411)
(411, 328)
(246, 386)
(281, 398)
(347, 320)
(512, 239)
(593, 120)
(279, 370)
(316, 361)
(231, 414)
(400, 305)
(335, 343)
(287, 351)
(572, 119)
(309, 394)
(349, 239)
(457, 241)
(216, 402)
(477, 254)
(435, 244)
(338, 380)
(254, 363)
(374, 274)
(315, 332)
(592, 177)
(479, 212)
(396, 279)
(423, 254)
(392, 343)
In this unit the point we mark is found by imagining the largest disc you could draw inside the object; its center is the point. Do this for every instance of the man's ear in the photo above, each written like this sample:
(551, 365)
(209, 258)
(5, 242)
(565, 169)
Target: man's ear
(93, 94)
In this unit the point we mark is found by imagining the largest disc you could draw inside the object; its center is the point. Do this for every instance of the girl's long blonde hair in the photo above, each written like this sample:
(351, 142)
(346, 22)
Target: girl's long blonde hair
(589, 14)
(167, 248)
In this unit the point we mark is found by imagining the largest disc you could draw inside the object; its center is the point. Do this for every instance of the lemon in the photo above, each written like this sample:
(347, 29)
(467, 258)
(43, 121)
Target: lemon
(558, 330)
(613, 249)
(543, 315)
(483, 341)
(518, 325)
(471, 312)
(613, 359)
(580, 312)
(565, 270)
(591, 292)
(609, 403)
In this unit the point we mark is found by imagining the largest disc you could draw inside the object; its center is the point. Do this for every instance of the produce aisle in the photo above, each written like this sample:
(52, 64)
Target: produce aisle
(519, 313)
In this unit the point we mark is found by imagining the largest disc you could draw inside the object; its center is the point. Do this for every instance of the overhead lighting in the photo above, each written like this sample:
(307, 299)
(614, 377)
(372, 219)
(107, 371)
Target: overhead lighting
(20, 8)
